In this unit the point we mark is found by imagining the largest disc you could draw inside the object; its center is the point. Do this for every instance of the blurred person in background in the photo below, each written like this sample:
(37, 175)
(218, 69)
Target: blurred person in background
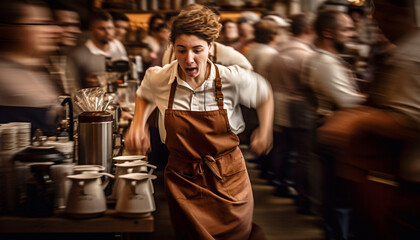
(207, 184)
(284, 26)
(121, 25)
(267, 37)
(359, 48)
(332, 87)
(246, 23)
(28, 34)
(69, 21)
(89, 58)
(293, 128)
(359, 17)
(384, 137)
(149, 54)
(229, 33)
(260, 54)
(158, 37)
(325, 72)
(60, 68)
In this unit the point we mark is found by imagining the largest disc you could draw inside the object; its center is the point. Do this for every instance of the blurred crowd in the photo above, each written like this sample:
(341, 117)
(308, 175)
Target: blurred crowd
(346, 86)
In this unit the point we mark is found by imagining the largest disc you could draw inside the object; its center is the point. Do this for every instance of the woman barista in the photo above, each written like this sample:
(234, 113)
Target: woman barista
(207, 185)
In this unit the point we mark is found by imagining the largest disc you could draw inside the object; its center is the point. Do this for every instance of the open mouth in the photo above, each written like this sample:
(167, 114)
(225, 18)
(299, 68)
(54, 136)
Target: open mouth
(191, 71)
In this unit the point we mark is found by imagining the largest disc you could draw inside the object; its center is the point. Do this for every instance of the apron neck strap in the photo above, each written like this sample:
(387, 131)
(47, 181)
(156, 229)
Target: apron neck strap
(218, 91)
(172, 94)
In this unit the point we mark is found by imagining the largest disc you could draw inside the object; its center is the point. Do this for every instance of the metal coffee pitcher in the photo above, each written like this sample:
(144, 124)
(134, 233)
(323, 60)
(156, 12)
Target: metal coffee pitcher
(95, 139)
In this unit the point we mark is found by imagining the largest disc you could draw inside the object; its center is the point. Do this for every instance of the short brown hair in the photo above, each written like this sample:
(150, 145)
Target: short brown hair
(99, 15)
(266, 30)
(201, 22)
(326, 20)
(301, 22)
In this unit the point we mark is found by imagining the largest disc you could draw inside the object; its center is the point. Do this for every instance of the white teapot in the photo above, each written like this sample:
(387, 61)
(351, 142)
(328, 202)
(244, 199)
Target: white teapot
(129, 167)
(86, 197)
(135, 195)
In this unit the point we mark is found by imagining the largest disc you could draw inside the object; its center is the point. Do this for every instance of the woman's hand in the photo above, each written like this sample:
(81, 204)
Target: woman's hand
(261, 142)
(137, 139)
(262, 137)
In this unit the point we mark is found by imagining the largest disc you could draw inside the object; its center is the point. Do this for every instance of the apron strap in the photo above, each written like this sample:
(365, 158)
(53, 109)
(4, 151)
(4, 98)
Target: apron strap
(218, 89)
(172, 94)
(214, 60)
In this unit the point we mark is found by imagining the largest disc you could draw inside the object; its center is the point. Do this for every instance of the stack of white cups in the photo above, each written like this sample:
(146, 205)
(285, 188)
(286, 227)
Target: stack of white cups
(23, 133)
(13, 137)
(9, 137)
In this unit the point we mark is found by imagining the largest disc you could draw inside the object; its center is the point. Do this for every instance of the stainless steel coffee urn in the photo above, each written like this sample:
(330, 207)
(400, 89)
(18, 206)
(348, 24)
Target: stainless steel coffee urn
(95, 139)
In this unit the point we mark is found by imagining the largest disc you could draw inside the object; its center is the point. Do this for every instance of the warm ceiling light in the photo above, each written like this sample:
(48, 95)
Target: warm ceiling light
(357, 2)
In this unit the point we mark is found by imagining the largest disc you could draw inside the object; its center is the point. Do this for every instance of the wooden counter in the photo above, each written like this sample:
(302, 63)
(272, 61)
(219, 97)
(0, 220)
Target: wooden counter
(60, 223)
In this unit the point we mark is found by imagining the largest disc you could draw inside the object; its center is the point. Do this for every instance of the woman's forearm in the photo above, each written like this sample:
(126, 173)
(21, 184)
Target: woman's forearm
(142, 111)
(265, 113)
(137, 136)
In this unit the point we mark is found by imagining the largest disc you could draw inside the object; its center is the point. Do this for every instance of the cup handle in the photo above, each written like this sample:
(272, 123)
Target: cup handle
(106, 182)
(152, 168)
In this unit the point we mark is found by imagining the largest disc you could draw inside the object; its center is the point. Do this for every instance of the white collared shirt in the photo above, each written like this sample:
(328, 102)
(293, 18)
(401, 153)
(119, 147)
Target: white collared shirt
(116, 49)
(239, 86)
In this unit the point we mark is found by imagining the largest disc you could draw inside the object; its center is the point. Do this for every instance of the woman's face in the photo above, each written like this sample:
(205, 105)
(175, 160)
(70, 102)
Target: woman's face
(192, 53)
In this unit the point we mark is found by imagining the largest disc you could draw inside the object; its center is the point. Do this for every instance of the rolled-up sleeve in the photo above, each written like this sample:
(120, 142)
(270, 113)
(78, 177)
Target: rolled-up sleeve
(253, 89)
(146, 89)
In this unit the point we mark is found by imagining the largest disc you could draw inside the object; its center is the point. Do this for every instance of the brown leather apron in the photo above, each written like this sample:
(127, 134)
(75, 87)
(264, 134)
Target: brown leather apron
(207, 184)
